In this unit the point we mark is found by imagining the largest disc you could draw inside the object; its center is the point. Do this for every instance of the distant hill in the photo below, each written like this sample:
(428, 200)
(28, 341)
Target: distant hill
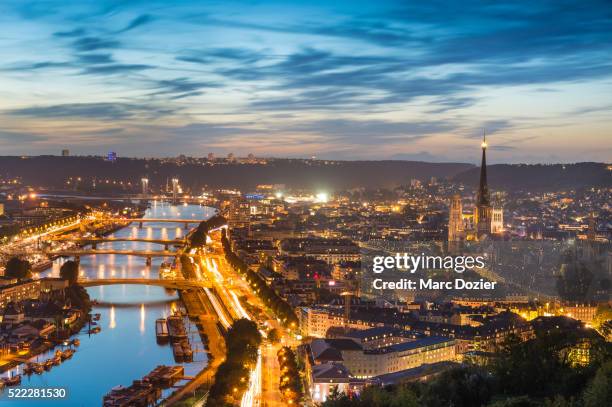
(54, 171)
(539, 177)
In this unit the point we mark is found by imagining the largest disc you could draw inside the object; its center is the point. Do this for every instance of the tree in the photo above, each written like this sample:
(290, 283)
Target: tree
(599, 391)
(17, 268)
(273, 335)
(70, 271)
(464, 386)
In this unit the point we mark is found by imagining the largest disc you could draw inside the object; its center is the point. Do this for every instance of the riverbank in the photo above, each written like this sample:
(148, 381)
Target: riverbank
(49, 344)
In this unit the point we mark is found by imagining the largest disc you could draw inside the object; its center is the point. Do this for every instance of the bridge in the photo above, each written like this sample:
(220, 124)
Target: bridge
(174, 284)
(77, 253)
(93, 241)
(140, 221)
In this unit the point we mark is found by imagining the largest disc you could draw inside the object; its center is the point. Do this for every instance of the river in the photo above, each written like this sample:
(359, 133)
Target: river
(126, 348)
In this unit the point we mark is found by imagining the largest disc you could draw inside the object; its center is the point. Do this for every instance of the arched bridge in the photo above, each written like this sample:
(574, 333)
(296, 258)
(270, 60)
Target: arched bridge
(141, 221)
(91, 252)
(175, 284)
(147, 254)
(95, 240)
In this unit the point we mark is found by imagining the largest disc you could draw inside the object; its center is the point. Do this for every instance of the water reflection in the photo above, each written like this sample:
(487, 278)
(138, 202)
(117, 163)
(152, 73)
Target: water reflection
(112, 323)
(126, 347)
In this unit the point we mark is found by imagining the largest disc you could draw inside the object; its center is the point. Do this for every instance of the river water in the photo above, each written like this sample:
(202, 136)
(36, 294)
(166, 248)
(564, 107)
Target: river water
(126, 348)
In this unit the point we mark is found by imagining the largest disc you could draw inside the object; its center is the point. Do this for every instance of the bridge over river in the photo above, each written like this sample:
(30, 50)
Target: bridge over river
(175, 284)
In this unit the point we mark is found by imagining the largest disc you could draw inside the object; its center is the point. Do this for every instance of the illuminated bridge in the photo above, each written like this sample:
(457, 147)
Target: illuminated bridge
(174, 284)
(140, 221)
(77, 253)
(93, 241)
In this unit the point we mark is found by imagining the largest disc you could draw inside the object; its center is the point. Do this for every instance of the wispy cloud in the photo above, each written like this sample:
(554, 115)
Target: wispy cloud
(344, 79)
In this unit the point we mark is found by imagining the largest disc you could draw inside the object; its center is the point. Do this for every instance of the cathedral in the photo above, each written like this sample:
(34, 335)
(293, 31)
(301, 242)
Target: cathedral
(486, 220)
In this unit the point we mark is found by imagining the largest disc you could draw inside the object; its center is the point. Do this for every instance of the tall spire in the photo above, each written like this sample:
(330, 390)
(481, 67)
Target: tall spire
(483, 188)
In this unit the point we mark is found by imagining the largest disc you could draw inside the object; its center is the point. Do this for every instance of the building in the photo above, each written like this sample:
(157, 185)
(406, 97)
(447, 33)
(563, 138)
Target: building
(329, 378)
(332, 251)
(239, 212)
(111, 156)
(376, 338)
(19, 291)
(486, 219)
(369, 363)
(316, 321)
(65, 152)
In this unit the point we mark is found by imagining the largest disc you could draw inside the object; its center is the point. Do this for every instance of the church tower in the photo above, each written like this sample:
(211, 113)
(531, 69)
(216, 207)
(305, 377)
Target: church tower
(482, 210)
(455, 219)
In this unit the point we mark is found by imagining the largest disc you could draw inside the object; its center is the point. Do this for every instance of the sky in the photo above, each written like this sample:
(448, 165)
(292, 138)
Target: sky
(414, 80)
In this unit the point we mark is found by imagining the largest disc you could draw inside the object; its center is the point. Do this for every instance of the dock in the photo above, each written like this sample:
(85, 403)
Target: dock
(145, 392)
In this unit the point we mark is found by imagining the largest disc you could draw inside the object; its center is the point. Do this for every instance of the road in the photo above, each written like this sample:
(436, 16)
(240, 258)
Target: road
(230, 287)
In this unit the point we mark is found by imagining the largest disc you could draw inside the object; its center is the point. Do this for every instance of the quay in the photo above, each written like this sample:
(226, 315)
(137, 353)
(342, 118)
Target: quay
(145, 392)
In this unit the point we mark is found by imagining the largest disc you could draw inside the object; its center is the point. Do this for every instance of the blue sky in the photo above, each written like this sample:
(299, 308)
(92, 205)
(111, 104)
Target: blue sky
(345, 80)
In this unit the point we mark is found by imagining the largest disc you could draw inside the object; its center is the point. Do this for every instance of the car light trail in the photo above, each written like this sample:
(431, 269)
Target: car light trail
(252, 395)
(217, 308)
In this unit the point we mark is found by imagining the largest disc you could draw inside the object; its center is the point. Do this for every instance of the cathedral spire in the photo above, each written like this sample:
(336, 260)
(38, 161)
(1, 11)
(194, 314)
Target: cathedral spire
(483, 189)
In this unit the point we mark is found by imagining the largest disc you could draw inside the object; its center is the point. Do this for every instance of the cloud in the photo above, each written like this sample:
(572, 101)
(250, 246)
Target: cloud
(85, 44)
(20, 137)
(369, 132)
(115, 69)
(77, 32)
(95, 58)
(180, 87)
(137, 22)
(100, 111)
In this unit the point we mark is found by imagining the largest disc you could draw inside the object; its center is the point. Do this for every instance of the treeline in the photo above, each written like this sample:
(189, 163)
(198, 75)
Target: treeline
(290, 383)
(280, 307)
(232, 377)
(187, 267)
(542, 372)
(198, 237)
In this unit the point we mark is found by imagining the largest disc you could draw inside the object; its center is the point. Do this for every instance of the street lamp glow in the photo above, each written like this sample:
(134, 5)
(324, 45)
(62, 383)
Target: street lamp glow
(322, 197)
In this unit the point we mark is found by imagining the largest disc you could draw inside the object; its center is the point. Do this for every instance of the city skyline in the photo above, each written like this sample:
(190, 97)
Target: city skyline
(348, 81)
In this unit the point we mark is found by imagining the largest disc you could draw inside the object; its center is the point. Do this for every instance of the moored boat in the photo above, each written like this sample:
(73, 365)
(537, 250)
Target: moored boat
(161, 330)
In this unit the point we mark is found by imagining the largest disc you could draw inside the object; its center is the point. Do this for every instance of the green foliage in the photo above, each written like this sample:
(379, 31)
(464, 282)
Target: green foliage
(538, 372)
(17, 268)
(273, 335)
(599, 391)
(393, 396)
(279, 306)
(231, 379)
(542, 367)
(198, 237)
(79, 298)
(290, 383)
(70, 271)
(522, 401)
(464, 386)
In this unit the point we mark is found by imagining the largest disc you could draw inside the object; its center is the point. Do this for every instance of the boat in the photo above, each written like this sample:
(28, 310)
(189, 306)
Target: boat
(177, 349)
(165, 270)
(95, 330)
(48, 364)
(76, 342)
(67, 354)
(96, 317)
(12, 381)
(187, 352)
(56, 360)
(29, 368)
(38, 368)
(176, 327)
(161, 330)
